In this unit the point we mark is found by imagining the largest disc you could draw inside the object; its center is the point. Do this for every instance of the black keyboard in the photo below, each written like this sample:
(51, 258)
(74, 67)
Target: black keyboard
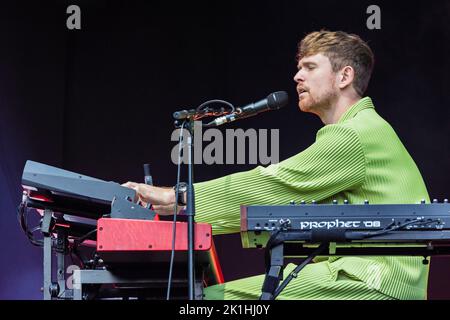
(381, 229)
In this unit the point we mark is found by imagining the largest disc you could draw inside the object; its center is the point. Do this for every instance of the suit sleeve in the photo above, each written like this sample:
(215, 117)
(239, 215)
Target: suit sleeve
(333, 163)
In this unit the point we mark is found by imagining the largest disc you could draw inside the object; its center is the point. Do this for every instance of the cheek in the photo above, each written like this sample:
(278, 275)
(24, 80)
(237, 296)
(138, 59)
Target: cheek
(333, 81)
(316, 87)
(323, 85)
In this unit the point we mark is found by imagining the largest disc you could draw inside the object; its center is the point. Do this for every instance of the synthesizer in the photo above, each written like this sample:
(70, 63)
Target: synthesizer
(352, 229)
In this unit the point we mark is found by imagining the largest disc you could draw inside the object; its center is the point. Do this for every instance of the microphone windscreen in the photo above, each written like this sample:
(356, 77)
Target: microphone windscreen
(277, 100)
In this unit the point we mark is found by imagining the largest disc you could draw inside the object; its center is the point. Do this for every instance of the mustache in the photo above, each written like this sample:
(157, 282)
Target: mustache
(301, 89)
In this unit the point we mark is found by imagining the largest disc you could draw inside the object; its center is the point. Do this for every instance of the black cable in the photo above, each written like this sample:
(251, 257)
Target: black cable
(389, 228)
(297, 269)
(22, 212)
(76, 243)
(174, 226)
(207, 112)
(81, 259)
(270, 243)
(83, 238)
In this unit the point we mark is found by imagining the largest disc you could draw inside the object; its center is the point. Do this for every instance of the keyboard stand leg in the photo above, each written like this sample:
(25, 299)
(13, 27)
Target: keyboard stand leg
(275, 273)
(48, 248)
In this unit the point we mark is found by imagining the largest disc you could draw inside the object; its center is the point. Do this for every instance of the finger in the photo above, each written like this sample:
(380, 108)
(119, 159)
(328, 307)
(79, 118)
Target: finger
(144, 192)
(137, 196)
(143, 203)
(165, 209)
(129, 184)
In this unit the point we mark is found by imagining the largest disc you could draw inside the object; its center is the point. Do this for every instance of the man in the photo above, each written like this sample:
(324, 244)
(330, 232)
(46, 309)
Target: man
(356, 156)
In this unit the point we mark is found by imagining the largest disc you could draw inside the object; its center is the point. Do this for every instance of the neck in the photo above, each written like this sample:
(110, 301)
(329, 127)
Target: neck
(332, 114)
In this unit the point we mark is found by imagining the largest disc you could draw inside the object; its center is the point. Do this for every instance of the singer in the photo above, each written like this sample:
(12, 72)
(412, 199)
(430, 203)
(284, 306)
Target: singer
(356, 156)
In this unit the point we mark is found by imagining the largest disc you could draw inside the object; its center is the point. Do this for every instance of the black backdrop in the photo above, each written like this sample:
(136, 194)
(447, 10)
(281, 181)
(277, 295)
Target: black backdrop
(99, 100)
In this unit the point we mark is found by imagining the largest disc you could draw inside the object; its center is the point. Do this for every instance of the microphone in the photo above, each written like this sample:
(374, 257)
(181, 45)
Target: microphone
(274, 101)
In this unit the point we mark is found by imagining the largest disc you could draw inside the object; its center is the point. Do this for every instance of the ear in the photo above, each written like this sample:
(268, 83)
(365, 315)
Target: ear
(346, 77)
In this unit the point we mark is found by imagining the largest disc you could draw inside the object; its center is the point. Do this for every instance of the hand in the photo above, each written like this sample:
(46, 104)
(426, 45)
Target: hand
(167, 210)
(155, 195)
(162, 199)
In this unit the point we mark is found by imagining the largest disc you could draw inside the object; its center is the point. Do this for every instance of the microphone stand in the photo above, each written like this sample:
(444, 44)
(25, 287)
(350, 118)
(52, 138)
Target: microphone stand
(190, 207)
(189, 116)
(274, 101)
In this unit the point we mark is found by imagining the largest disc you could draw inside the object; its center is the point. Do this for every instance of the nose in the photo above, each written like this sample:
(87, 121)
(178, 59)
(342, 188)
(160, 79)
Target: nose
(299, 76)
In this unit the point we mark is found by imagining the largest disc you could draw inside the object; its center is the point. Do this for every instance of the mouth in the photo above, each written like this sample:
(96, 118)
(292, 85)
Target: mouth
(301, 91)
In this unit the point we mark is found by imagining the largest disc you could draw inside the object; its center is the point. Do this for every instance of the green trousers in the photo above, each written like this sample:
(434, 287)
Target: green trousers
(317, 281)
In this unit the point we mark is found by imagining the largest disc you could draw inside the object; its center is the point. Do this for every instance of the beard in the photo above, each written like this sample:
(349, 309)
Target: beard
(317, 104)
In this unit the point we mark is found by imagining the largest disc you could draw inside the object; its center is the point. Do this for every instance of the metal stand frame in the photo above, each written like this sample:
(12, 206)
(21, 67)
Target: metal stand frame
(271, 287)
(275, 273)
(58, 246)
(134, 282)
(56, 287)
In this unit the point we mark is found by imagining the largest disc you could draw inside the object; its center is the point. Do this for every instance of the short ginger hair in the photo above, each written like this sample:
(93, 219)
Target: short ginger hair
(342, 49)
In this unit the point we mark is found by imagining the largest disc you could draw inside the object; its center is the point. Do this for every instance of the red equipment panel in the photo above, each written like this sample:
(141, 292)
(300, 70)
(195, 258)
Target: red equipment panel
(148, 235)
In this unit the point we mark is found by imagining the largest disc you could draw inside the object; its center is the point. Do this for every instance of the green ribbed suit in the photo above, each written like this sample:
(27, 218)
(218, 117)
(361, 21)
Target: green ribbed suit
(358, 158)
